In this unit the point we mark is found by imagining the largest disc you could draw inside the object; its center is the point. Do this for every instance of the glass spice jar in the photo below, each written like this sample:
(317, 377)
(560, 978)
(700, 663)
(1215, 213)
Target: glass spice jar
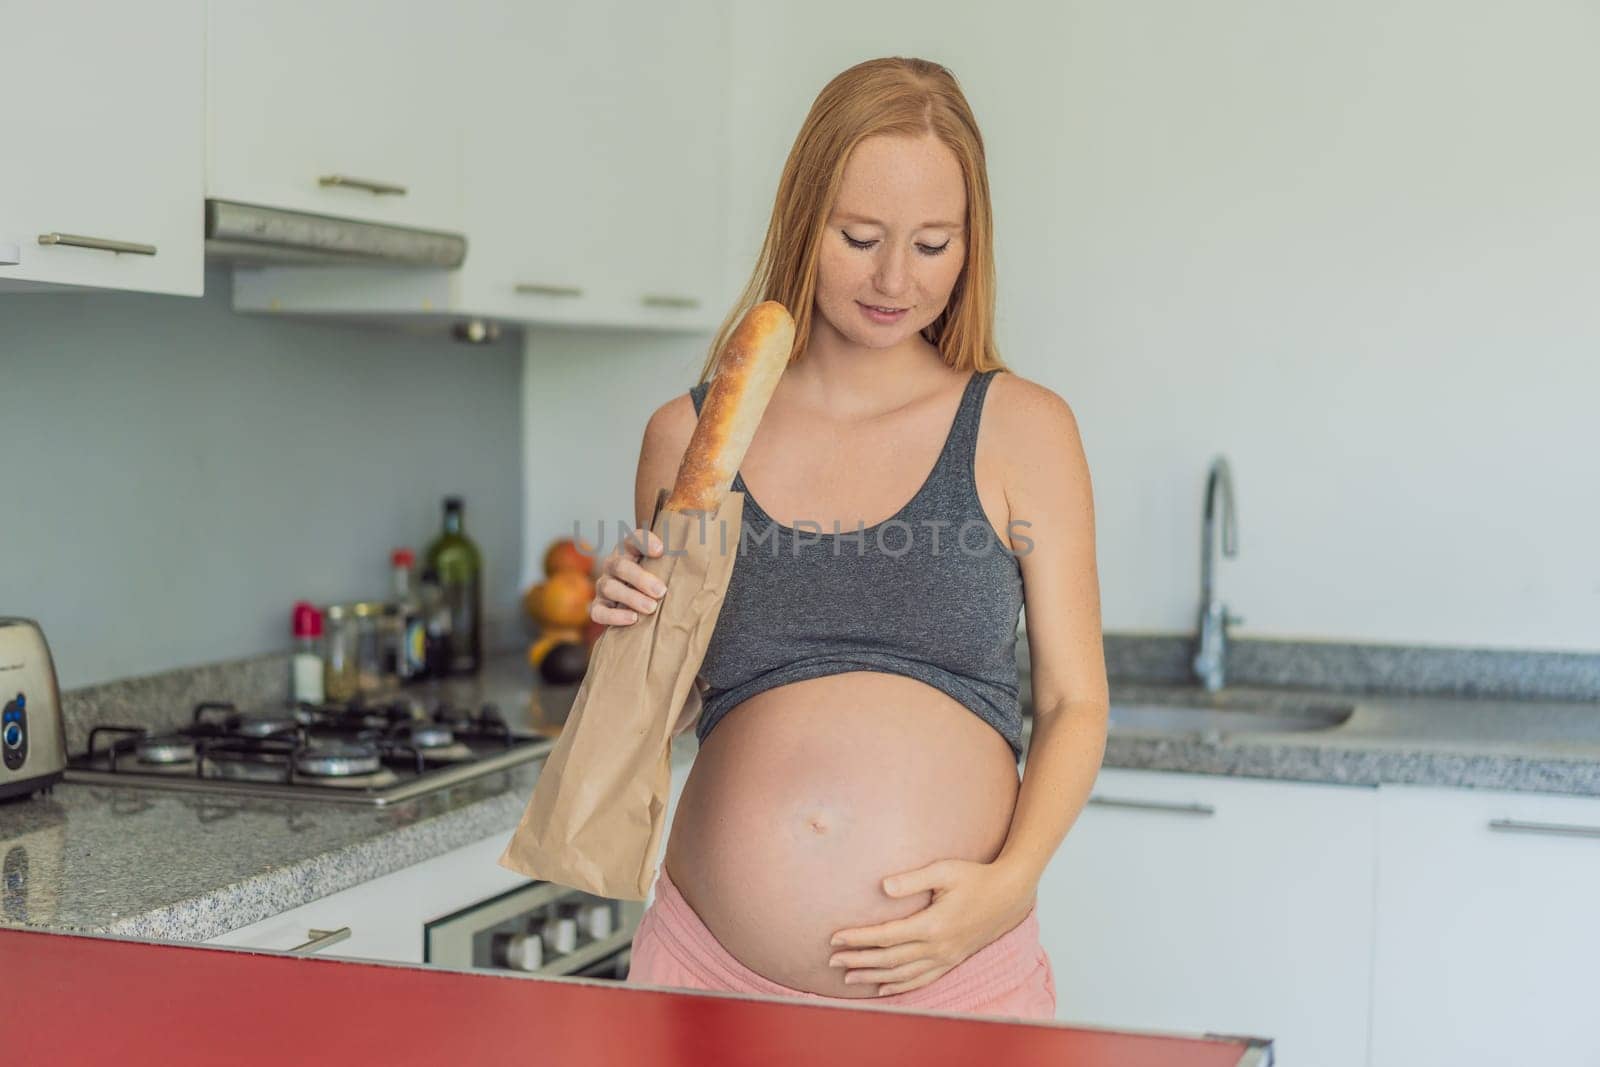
(341, 680)
(369, 645)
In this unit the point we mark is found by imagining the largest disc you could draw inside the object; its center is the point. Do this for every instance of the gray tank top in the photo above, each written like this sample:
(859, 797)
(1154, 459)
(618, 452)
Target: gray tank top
(932, 593)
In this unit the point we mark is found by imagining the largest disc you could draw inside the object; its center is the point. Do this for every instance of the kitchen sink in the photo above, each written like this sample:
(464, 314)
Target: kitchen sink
(1207, 719)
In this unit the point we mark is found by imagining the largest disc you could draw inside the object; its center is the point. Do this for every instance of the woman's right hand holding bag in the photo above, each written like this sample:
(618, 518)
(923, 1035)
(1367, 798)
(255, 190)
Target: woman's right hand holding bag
(624, 590)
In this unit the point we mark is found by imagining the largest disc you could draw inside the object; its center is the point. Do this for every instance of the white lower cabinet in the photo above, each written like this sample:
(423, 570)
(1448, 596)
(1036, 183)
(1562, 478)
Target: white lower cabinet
(1488, 929)
(1205, 903)
(386, 915)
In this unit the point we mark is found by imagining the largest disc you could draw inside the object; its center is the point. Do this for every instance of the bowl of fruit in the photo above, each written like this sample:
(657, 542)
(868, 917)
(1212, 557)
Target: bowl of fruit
(559, 607)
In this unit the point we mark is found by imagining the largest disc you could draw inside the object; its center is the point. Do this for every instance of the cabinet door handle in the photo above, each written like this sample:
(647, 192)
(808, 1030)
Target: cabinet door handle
(1568, 829)
(1154, 805)
(320, 939)
(666, 300)
(78, 241)
(548, 290)
(379, 188)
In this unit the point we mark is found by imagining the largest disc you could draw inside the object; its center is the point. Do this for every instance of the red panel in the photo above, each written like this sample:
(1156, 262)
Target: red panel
(93, 1000)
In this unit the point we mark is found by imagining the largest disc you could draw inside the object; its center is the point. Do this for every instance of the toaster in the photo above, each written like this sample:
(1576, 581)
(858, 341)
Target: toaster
(33, 738)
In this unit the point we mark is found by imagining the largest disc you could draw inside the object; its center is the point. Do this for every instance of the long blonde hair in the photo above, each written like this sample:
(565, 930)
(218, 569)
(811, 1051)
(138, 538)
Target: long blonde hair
(896, 96)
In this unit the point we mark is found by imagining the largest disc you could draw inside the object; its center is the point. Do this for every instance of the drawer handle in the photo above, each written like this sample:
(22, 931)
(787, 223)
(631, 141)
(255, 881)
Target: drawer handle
(661, 300)
(1154, 805)
(548, 290)
(320, 939)
(77, 241)
(379, 188)
(1567, 829)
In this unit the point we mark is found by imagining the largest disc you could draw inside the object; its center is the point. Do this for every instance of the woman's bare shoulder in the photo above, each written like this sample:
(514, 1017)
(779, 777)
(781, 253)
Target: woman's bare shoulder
(674, 418)
(1023, 406)
(1028, 422)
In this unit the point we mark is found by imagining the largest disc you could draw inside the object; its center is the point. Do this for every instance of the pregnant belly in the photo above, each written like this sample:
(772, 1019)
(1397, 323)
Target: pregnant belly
(805, 797)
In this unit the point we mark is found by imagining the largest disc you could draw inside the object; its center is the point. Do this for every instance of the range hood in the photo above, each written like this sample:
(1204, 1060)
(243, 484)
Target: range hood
(253, 235)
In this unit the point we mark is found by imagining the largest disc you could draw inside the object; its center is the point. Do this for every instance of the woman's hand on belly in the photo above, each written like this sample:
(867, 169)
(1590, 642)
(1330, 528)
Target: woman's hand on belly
(973, 904)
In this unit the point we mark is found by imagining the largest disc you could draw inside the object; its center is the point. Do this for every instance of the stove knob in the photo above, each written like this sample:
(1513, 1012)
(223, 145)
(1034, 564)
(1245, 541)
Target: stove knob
(518, 952)
(561, 935)
(597, 920)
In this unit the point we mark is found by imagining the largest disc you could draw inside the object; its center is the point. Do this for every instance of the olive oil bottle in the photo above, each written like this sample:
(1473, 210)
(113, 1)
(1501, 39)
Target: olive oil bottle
(457, 566)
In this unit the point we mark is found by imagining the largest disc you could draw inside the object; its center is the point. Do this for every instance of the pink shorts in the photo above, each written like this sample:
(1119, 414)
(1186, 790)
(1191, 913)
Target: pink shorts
(1010, 976)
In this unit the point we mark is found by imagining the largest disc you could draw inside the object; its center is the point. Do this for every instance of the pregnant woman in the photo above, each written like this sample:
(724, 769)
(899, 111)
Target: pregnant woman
(853, 824)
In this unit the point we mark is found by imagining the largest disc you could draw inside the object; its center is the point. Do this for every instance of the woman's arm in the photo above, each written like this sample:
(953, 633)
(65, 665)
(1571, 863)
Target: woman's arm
(1052, 507)
(1047, 488)
(622, 587)
(666, 439)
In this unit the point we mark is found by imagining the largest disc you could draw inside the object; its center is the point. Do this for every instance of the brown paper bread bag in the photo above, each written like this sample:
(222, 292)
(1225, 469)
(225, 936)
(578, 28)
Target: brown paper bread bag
(598, 810)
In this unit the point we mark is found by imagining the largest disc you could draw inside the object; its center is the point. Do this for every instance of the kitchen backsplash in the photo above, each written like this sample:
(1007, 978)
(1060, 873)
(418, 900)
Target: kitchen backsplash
(179, 474)
(168, 698)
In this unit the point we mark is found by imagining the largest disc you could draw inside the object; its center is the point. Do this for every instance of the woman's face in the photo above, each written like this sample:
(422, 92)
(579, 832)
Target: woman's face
(896, 239)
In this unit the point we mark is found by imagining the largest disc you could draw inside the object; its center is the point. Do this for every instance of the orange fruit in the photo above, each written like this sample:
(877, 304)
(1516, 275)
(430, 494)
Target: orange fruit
(569, 555)
(531, 599)
(563, 599)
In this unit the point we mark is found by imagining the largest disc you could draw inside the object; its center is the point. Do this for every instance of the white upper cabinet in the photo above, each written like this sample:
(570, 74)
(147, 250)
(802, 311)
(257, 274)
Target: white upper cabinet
(594, 169)
(582, 148)
(595, 165)
(101, 135)
(1488, 928)
(669, 192)
(1204, 903)
(539, 169)
(338, 107)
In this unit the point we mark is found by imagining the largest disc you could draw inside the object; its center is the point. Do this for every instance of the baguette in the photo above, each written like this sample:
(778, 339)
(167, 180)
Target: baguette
(748, 370)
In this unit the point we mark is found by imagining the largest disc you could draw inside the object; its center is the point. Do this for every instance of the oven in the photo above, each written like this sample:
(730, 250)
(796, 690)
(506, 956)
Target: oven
(538, 928)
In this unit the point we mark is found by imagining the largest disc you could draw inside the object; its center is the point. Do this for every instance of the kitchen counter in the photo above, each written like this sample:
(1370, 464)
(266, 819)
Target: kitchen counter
(1547, 746)
(183, 1004)
(187, 867)
(190, 866)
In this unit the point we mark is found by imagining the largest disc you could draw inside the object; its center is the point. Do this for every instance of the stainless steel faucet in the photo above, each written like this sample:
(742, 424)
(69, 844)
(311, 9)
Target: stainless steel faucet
(1210, 661)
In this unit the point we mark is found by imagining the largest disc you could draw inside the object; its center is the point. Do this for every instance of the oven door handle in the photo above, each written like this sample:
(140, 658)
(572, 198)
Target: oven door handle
(320, 939)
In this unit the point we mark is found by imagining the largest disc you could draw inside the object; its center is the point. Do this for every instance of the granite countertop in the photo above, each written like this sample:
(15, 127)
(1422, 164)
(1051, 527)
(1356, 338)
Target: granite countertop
(1548, 746)
(190, 866)
(185, 866)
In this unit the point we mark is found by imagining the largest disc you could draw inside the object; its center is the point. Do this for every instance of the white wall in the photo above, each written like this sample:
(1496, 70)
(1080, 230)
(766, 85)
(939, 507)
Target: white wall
(175, 475)
(1351, 246)
(586, 396)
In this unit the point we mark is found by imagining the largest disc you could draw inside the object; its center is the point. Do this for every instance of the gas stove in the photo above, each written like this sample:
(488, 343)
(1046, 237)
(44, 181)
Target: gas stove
(365, 751)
